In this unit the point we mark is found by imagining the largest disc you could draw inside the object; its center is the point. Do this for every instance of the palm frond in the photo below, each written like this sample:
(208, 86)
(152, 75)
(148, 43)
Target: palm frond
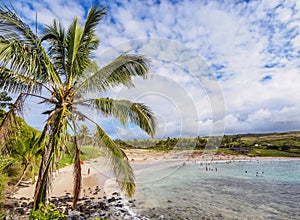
(73, 38)
(95, 15)
(21, 59)
(21, 50)
(9, 125)
(6, 162)
(12, 27)
(15, 83)
(119, 162)
(119, 71)
(55, 35)
(82, 42)
(117, 158)
(126, 111)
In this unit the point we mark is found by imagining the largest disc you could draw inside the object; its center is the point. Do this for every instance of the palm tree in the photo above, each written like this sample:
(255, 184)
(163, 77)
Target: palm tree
(27, 152)
(83, 135)
(67, 73)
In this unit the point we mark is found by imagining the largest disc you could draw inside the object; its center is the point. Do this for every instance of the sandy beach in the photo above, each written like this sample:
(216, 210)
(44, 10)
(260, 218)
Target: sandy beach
(98, 181)
(92, 179)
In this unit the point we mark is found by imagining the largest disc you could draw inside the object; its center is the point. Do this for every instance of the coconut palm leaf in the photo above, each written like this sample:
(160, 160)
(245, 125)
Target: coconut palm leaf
(14, 83)
(119, 71)
(119, 162)
(55, 35)
(126, 111)
(20, 48)
(9, 125)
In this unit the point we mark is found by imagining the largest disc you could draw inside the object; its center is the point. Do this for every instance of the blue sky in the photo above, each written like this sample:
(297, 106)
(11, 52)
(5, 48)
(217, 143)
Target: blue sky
(218, 66)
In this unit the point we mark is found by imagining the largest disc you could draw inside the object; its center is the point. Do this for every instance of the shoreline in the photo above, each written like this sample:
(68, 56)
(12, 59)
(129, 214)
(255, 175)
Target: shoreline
(145, 156)
(99, 186)
(96, 173)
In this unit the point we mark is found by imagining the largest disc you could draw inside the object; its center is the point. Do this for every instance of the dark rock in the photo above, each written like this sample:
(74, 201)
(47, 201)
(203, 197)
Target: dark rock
(8, 206)
(119, 205)
(66, 212)
(112, 199)
(20, 211)
(15, 204)
(123, 210)
(116, 194)
(24, 204)
(30, 205)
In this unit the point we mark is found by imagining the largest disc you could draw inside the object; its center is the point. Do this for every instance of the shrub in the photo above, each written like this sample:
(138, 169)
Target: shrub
(45, 213)
(3, 184)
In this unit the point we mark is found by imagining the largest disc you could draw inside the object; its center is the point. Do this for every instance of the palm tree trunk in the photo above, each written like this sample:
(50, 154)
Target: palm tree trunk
(77, 175)
(42, 169)
(44, 177)
(40, 193)
(23, 174)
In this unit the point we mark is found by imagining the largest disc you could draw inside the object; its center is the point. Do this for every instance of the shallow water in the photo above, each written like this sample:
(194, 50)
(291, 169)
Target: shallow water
(228, 190)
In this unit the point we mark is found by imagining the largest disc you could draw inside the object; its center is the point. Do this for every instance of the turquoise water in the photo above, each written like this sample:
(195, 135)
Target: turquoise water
(227, 190)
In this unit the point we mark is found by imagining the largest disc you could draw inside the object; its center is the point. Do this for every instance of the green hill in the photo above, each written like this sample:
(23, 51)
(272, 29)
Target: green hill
(286, 144)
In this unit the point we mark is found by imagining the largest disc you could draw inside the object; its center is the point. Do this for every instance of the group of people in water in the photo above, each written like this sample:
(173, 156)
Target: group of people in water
(208, 168)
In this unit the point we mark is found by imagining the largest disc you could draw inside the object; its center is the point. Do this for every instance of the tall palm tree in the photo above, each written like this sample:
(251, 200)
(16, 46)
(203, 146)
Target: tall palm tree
(67, 72)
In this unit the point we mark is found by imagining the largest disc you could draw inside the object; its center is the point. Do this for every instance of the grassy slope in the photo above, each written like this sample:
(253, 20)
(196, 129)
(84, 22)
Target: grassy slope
(285, 144)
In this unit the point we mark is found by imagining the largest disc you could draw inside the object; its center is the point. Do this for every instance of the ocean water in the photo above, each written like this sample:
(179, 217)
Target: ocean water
(256, 189)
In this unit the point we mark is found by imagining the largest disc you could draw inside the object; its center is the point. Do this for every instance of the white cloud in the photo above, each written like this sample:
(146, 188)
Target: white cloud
(243, 43)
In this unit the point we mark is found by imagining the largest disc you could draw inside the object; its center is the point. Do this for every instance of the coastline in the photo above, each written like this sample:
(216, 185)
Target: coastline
(101, 197)
(96, 173)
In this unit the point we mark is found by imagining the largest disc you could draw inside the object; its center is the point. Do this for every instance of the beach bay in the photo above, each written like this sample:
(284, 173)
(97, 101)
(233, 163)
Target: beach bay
(223, 188)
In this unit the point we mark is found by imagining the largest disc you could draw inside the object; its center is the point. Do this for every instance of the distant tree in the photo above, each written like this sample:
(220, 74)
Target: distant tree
(236, 138)
(84, 135)
(286, 146)
(214, 141)
(200, 142)
(226, 140)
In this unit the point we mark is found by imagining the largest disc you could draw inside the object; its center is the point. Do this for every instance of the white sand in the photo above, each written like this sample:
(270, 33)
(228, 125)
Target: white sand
(101, 177)
(63, 180)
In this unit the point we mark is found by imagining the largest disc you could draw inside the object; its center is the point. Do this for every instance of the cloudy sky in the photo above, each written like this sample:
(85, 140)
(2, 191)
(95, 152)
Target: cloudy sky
(218, 66)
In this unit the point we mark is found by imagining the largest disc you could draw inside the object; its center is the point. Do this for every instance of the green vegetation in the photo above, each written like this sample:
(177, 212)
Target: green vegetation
(16, 158)
(86, 152)
(22, 162)
(45, 213)
(273, 145)
(66, 71)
